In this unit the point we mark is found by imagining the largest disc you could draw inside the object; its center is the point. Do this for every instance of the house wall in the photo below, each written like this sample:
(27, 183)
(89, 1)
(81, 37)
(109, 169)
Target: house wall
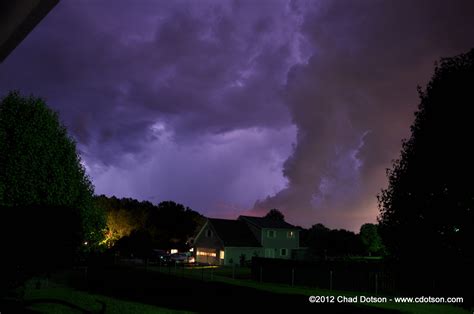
(206, 255)
(209, 244)
(280, 241)
(212, 245)
(232, 254)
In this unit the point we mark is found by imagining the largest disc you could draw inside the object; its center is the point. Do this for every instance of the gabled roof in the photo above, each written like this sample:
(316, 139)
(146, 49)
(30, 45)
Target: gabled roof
(234, 233)
(262, 222)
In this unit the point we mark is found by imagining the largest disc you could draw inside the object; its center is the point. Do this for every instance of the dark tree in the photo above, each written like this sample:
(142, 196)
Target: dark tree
(371, 239)
(344, 243)
(324, 242)
(427, 211)
(139, 244)
(163, 226)
(317, 239)
(171, 224)
(46, 198)
(275, 214)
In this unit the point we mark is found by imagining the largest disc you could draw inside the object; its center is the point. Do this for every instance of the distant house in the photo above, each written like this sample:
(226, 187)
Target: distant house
(227, 242)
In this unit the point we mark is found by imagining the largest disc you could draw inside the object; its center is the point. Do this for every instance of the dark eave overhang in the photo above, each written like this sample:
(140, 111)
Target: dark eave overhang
(17, 19)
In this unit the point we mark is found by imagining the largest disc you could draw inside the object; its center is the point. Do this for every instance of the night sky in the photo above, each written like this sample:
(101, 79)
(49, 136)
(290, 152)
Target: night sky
(236, 107)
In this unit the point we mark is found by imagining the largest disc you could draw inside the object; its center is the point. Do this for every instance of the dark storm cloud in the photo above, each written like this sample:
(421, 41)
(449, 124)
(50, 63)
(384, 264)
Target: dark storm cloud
(114, 71)
(146, 86)
(201, 101)
(353, 101)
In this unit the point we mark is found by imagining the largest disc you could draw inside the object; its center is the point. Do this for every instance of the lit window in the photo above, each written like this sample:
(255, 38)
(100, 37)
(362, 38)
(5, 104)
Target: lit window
(221, 255)
(203, 253)
(271, 233)
(174, 251)
(283, 252)
(290, 234)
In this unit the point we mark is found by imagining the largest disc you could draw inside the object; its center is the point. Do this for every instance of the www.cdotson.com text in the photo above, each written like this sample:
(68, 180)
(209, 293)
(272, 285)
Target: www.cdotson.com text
(377, 299)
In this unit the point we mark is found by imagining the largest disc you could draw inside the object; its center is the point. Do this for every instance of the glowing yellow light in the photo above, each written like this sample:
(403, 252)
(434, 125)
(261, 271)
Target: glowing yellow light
(173, 251)
(221, 255)
(212, 254)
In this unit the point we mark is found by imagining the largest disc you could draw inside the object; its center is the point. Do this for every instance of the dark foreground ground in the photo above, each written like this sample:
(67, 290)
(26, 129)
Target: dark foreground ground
(203, 296)
(104, 288)
(110, 289)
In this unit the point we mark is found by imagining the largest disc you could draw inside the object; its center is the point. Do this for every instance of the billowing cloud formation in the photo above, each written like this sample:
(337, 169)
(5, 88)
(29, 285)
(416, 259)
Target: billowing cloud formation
(353, 101)
(117, 70)
(169, 101)
(201, 102)
(221, 173)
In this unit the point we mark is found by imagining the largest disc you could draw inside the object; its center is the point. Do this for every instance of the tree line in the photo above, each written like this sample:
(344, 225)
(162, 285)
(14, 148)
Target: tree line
(136, 227)
(323, 242)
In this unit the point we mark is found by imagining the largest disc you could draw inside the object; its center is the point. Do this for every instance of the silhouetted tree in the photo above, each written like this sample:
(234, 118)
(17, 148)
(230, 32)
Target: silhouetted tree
(324, 242)
(344, 243)
(46, 199)
(242, 259)
(275, 214)
(317, 239)
(168, 224)
(427, 210)
(139, 244)
(171, 224)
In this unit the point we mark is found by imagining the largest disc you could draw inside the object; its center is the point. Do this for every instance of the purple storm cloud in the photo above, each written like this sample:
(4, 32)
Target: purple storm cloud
(234, 107)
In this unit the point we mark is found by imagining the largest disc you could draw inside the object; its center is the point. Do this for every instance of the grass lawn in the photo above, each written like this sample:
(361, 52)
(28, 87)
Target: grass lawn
(242, 275)
(84, 300)
(135, 290)
(187, 290)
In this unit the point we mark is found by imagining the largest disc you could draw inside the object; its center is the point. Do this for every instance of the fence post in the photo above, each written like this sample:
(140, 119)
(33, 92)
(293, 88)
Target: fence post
(330, 280)
(292, 276)
(376, 284)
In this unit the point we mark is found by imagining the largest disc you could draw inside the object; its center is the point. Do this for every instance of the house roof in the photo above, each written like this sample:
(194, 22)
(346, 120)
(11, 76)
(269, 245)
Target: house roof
(234, 233)
(262, 222)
